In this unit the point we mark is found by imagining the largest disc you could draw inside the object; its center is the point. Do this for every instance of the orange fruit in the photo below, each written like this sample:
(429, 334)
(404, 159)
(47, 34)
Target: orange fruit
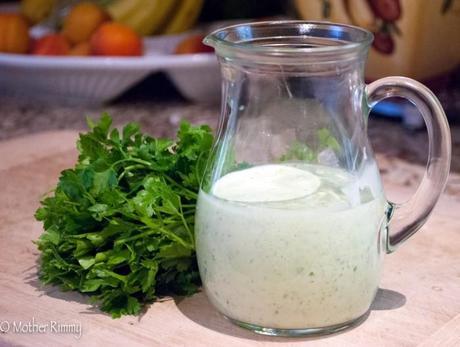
(115, 39)
(14, 33)
(82, 21)
(193, 44)
(80, 49)
(53, 44)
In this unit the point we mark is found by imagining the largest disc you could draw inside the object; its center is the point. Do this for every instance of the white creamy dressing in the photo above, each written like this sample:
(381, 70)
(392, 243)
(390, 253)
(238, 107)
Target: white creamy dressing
(266, 183)
(290, 247)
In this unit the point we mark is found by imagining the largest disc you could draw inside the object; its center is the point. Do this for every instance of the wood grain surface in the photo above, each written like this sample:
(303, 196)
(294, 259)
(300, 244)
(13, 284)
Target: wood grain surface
(418, 303)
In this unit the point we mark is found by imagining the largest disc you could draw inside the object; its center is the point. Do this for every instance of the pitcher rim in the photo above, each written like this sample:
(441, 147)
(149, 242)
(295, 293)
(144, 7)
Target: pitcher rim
(218, 43)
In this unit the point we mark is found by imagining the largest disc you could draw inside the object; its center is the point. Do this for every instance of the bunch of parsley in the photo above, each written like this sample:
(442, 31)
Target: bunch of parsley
(119, 225)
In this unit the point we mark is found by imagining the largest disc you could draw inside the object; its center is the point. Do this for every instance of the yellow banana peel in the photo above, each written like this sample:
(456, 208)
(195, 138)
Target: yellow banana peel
(184, 17)
(37, 10)
(146, 17)
(119, 10)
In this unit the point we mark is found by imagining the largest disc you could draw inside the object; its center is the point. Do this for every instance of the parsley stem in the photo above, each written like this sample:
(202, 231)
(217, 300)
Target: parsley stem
(170, 180)
(135, 160)
(128, 169)
(155, 228)
(190, 233)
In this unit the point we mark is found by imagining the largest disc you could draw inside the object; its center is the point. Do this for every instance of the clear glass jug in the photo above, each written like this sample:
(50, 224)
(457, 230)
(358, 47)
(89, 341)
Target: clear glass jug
(292, 220)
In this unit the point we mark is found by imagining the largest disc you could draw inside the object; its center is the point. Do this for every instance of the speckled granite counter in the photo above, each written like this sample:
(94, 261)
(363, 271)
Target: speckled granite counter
(160, 114)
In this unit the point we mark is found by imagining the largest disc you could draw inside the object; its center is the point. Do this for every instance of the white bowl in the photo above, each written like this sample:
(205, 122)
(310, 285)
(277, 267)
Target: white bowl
(100, 79)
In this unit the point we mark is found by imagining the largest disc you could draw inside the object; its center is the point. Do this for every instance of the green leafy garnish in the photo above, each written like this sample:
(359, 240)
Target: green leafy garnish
(302, 152)
(327, 140)
(120, 224)
(299, 151)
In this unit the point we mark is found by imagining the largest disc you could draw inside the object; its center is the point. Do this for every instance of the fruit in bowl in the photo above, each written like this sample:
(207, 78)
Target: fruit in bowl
(87, 31)
(52, 44)
(193, 44)
(14, 33)
(82, 21)
(115, 39)
(81, 49)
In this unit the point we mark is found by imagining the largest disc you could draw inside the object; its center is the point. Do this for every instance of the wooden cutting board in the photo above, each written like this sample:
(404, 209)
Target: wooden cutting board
(418, 304)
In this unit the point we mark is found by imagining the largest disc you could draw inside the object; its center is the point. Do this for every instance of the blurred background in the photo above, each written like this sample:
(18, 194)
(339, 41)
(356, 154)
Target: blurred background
(143, 60)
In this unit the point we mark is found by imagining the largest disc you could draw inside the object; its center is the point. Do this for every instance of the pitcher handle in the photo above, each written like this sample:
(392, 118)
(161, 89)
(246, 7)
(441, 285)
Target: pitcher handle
(408, 217)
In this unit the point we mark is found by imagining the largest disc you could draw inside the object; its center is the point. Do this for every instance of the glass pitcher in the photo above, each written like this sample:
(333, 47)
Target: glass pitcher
(292, 220)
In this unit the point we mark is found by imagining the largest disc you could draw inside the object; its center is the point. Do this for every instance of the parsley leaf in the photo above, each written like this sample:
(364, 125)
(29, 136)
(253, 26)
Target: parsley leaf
(119, 225)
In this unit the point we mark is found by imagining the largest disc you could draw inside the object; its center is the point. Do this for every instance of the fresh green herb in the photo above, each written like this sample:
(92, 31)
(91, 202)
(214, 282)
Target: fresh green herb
(300, 151)
(120, 224)
(327, 140)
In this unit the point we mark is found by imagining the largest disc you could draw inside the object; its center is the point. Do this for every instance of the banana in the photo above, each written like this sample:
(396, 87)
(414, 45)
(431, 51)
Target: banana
(152, 22)
(143, 16)
(184, 17)
(37, 10)
(122, 9)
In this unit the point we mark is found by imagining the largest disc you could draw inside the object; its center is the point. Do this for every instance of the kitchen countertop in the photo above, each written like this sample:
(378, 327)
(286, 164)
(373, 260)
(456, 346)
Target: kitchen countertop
(417, 303)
